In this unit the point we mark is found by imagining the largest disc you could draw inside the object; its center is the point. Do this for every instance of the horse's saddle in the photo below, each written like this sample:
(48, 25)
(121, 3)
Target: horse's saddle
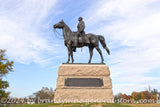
(76, 39)
(80, 39)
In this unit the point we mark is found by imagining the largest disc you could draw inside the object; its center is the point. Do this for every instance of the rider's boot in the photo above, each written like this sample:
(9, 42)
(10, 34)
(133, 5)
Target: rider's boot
(74, 49)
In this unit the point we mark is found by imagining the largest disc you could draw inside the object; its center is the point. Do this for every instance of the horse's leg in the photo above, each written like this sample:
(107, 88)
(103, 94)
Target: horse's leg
(100, 52)
(91, 53)
(69, 52)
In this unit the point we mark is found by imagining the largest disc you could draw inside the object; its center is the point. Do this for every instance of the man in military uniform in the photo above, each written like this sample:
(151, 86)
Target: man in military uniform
(80, 27)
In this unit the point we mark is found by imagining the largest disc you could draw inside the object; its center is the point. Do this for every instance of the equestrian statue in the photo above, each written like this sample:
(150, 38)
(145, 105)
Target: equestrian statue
(73, 40)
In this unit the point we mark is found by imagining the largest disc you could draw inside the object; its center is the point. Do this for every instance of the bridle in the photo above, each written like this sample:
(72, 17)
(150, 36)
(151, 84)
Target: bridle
(57, 33)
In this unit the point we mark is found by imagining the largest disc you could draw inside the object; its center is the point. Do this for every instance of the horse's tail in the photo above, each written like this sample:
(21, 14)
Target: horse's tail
(102, 41)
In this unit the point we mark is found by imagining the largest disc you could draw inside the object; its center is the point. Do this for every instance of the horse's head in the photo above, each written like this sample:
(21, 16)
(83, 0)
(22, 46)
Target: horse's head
(59, 24)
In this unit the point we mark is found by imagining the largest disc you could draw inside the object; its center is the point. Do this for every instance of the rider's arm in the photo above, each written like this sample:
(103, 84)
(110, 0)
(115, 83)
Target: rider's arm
(82, 26)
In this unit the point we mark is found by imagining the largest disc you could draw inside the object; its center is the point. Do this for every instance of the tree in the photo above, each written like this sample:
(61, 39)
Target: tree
(136, 95)
(149, 88)
(6, 66)
(142, 95)
(45, 93)
(154, 91)
(123, 96)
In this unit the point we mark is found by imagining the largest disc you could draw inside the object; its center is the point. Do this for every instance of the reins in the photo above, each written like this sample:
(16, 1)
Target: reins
(57, 33)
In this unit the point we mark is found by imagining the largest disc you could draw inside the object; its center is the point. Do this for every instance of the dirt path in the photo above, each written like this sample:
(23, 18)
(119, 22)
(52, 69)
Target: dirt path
(98, 105)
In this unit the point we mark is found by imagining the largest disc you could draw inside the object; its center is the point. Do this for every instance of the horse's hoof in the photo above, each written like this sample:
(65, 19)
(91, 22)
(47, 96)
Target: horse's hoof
(67, 62)
(102, 62)
(108, 52)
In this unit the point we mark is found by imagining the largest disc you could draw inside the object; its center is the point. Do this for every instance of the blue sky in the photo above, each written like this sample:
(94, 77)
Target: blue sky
(130, 27)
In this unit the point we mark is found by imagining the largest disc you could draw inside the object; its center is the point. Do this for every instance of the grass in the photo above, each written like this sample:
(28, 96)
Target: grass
(71, 105)
(144, 105)
(84, 105)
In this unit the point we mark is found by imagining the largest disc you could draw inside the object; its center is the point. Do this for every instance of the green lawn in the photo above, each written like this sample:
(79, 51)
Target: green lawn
(71, 105)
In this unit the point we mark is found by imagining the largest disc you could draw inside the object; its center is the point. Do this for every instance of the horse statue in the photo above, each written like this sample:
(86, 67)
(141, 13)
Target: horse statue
(70, 40)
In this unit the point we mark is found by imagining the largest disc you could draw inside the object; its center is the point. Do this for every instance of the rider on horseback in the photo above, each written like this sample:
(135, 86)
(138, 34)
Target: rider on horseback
(70, 38)
(81, 32)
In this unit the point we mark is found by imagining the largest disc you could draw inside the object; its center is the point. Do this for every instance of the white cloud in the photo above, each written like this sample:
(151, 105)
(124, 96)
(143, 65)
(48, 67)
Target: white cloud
(20, 31)
(132, 27)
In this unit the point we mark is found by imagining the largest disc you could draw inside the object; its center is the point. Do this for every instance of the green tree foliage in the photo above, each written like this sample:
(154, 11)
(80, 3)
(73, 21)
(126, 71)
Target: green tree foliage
(154, 91)
(6, 66)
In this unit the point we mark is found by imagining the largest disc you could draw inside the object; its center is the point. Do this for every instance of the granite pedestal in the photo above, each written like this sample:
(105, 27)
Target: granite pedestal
(79, 83)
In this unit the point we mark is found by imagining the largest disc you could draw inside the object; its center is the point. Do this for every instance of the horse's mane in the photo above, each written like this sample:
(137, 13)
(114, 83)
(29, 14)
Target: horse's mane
(67, 27)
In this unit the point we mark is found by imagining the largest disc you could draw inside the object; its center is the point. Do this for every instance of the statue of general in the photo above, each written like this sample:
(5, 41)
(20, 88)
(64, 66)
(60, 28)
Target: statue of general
(79, 39)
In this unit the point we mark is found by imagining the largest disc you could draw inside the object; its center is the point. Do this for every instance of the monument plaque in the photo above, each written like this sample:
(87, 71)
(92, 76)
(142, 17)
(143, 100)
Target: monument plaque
(83, 82)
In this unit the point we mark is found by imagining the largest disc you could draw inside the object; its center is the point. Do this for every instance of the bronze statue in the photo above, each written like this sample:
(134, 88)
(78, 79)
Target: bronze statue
(79, 39)
(81, 32)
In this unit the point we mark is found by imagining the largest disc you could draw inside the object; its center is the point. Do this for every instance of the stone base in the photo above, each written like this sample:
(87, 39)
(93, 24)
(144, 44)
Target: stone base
(80, 94)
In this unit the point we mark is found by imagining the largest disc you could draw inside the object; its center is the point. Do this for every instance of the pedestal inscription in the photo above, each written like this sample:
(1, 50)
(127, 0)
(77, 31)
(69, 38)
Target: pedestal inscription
(83, 83)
